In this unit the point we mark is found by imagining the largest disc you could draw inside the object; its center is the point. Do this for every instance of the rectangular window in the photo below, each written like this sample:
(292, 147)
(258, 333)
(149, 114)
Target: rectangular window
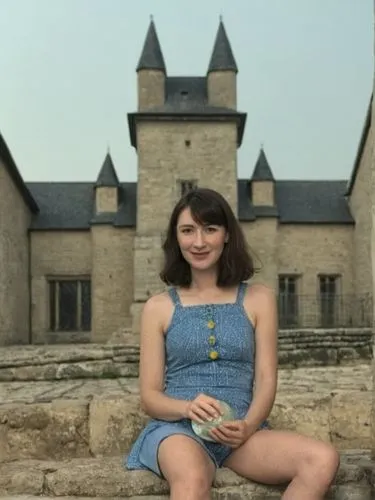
(187, 185)
(328, 299)
(288, 301)
(70, 304)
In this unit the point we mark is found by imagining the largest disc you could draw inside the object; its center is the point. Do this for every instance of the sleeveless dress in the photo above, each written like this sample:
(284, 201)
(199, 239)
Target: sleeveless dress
(209, 349)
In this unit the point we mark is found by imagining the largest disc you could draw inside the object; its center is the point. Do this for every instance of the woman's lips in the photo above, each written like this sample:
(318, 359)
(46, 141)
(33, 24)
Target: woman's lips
(200, 255)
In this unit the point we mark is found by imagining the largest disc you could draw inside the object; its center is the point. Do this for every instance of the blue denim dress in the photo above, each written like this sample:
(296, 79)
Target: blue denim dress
(209, 349)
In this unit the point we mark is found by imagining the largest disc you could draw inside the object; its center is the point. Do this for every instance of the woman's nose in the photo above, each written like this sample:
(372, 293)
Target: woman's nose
(199, 240)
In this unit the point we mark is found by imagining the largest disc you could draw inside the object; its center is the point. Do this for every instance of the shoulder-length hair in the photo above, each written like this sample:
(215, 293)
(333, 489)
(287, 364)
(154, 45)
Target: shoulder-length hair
(207, 207)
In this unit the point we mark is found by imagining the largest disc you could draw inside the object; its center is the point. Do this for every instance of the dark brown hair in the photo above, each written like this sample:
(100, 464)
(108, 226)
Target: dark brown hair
(207, 207)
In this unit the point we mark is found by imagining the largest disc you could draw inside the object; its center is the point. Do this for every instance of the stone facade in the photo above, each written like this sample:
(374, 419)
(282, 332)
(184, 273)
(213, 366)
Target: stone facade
(15, 292)
(94, 250)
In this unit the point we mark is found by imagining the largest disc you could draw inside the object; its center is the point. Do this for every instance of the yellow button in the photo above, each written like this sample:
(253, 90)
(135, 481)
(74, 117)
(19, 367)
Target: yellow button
(214, 355)
(211, 324)
(212, 340)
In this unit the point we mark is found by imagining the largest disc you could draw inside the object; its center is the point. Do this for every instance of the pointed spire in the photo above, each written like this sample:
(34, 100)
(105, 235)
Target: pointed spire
(152, 56)
(262, 170)
(107, 176)
(222, 57)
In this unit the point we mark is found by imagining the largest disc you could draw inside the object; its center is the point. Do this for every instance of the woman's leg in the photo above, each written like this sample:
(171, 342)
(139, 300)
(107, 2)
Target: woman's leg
(273, 457)
(187, 467)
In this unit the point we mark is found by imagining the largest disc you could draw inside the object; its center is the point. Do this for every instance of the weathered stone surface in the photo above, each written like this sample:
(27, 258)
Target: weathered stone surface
(350, 419)
(57, 430)
(305, 413)
(102, 417)
(56, 362)
(101, 478)
(114, 424)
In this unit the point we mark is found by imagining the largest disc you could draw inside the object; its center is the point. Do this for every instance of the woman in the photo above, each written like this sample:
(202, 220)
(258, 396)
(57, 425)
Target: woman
(198, 347)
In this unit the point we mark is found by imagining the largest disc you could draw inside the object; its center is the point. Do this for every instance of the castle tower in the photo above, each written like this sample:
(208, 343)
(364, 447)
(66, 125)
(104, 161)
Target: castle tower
(186, 135)
(151, 72)
(263, 199)
(109, 260)
(262, 183)
(222, 72)
(107, 188)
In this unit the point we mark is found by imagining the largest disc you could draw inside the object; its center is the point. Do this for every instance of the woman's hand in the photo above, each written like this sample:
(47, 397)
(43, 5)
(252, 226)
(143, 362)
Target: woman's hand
(203, 408)
(232, 433)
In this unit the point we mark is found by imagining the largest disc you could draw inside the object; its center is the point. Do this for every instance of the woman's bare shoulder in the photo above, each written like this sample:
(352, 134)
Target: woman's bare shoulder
(157, 302)
(159, 307)
(260, 295)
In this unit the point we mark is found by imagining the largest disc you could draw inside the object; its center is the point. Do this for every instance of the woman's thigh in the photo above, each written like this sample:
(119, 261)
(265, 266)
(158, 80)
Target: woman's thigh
(276, 457)
(182, 459)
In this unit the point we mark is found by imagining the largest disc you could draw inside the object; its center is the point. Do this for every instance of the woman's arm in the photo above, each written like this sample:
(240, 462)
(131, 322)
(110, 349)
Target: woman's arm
(261, 303)
(152, 363)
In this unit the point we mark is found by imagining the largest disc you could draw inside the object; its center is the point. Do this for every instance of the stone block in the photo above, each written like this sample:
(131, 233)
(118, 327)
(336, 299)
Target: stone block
(304, 413)
(100, 478)
(43, 431)
(350, 419)
(114, 424)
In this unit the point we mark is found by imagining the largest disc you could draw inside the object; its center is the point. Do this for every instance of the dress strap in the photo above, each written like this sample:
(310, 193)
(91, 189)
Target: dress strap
(174, 296)
(241, 293)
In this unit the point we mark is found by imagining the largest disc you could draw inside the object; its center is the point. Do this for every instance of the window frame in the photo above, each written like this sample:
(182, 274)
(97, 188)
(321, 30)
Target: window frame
(53, 306)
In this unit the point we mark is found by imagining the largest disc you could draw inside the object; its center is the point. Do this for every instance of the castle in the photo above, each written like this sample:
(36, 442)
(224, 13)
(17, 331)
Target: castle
(79, 259)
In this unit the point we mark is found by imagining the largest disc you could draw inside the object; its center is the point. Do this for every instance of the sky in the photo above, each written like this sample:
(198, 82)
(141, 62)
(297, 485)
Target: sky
(68, 79)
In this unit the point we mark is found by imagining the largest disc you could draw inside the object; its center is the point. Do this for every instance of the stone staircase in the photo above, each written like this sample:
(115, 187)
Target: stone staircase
(68, 415)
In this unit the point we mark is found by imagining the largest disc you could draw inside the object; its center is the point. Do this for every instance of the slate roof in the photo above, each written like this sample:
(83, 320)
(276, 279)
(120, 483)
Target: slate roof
(309, 202)
(11, 167)
(107, 176)
(222, 58)
(71, 205)
(151, 56)
(262, 169)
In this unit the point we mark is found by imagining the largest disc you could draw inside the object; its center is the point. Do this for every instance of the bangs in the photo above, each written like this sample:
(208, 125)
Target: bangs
(207, 213)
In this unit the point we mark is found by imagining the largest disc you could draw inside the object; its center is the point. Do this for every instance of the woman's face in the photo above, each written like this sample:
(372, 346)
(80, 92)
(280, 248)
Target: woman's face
(200, 245)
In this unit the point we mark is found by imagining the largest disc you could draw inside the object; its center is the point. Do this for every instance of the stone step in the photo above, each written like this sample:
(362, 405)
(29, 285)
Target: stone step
(106, 477)
(67, 362)
(82, 361)
(66, 419)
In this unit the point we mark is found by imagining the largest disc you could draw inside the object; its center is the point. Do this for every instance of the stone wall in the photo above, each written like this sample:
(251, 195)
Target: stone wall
(56, 254)
(169, 152)
(151, 89)
(106, 199)
(14, 263)
(325, 347)
(222, 89)
(262, 239)
(263, 193)
(112, 279)
(308, 250)
(360, 201)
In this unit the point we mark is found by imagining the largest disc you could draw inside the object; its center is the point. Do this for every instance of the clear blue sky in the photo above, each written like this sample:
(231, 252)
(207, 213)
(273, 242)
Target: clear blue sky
(67, 79)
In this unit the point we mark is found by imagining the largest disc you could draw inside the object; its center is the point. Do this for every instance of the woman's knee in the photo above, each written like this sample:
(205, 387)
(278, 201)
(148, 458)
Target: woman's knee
(185, 465)
(193, 480)
(321, 463)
